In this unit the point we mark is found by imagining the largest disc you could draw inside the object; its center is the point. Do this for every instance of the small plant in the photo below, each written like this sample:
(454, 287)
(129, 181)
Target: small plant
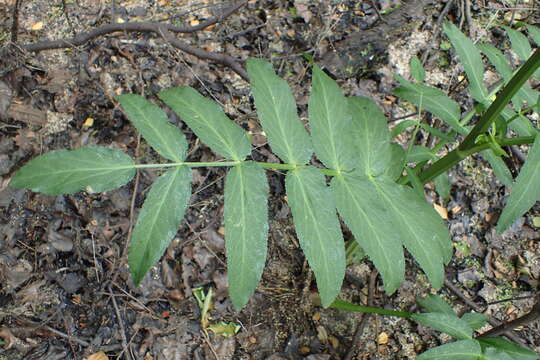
(373, 186)
(441, 317)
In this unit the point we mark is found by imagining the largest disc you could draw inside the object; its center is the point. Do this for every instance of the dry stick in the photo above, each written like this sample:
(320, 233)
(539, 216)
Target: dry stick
(365, 317)
(121, 323)
(533, 315)
(508, 333)
(163, 30)
(15, 23)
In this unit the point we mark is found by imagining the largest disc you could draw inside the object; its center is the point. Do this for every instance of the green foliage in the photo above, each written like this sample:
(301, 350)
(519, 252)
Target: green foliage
(368, 189)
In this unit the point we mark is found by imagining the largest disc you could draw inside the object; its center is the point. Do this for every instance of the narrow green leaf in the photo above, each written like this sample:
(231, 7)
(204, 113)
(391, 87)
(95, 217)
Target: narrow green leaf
(208, 122)
(361, 209)
(443, 186)
(159, 219)
(246, 229)
(419, 153)
(459, 350)
(417, 70)
(402, 126)
(534, 33)
(432, 100)
(330, 122)
(521, 125)
(277, 112)
(154, 127)
(371, 136)
(520, 43)
(91, 168)
(470, 59)
(435, 304)
(514, 350)
(501, 171)
(397, 162)
(475, 320)
(318, 228)
(417, 185)
(525, 191)
(495, 354)
(447, 323)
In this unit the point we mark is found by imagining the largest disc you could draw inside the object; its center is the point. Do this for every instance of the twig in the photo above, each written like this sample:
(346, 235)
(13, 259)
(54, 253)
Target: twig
(15, 23)
(533, 315)
(365, 317)
(160, 29)
(121, 324)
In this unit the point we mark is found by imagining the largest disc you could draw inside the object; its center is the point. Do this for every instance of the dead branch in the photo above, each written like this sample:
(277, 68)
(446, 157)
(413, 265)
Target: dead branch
(163, 30)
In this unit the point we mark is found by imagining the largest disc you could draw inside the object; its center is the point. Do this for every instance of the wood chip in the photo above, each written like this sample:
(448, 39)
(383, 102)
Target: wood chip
(37, 26)
(441, 210)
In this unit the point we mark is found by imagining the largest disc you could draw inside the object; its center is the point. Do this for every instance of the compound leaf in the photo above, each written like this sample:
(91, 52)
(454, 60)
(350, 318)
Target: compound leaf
(154, 127)
(208, 122)
(432, 100)
(371, 136)
(470, 59)
(159, 219)
(516, 351)
(459, 350)
(246, 229)
(91, 168)
(318, 229)
(525, 190)
(330, 123)
(447, 323)
(360, 207)
(277, 112)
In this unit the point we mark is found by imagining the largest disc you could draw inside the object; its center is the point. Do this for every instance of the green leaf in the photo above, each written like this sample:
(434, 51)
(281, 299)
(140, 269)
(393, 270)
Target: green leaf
(495, 354)
(154, 127)
(534, 33)
(361, 209)
(208, 122)
(419, 153)
(432, 100)
(159, 219)
(330, 122)
(519, 42)
(525, 191)
(447, 323)
(277, 112)
(502, 173)
(435, 304)
(417, 70)
(514, 350)
(475, 320)
(246, 229)
(470, 59)
(443, 186)
(402, 126)
(371, 136)
(459, 350)
(318, 228)
(91, 168)
(397, 161)
(404, 216)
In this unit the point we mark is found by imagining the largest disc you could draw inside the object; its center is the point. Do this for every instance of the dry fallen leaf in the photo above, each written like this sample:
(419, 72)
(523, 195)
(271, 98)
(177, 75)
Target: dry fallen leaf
(382, 338)
(98, 356)
(37, 26)
(441, 210)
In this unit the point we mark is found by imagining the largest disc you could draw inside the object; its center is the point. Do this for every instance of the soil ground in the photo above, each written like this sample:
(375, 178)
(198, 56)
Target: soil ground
(65, 290)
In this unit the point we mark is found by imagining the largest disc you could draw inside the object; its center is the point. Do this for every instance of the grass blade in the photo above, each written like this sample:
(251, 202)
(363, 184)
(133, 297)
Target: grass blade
(159, 219)
(277, 112)
(91, 168)
(525, 190)
(470, 59)
(246, 229)
(318, 229)
(154, 127)
(208, 122)
(360, 208)
(330, 123)
(371, 136)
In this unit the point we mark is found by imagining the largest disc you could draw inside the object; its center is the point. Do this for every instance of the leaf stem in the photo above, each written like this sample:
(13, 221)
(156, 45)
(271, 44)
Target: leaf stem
(345, 305)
